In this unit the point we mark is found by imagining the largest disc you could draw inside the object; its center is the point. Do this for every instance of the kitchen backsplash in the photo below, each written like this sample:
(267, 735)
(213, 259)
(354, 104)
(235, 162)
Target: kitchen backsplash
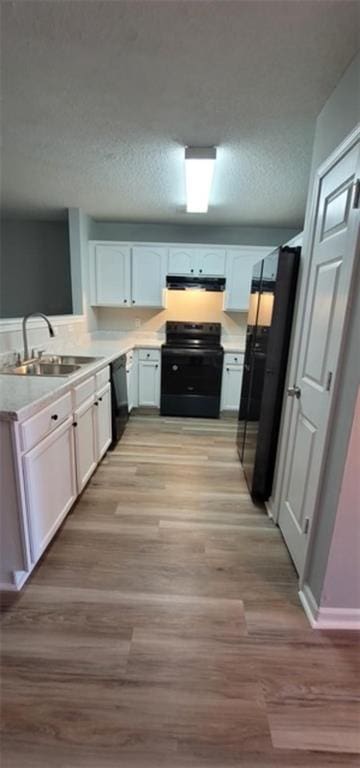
(181, 305)
(71, 327)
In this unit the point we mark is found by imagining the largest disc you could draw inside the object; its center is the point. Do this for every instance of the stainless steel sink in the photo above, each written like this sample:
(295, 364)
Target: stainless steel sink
(42, 369)
(68, 359)
(49, 365)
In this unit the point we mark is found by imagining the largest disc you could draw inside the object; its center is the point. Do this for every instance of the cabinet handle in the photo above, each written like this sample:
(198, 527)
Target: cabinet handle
(125, 301)
(200, 270)
(235, 358)
(133, 301)
(148, 354)
(96, 402)
(54, 417)
(228, 369)
(191, 270)
(156, 366)
(100, 399)
(74, 423)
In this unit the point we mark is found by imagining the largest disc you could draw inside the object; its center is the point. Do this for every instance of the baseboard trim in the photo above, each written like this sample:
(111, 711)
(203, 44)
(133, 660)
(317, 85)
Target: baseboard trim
(328, 618)
(269, 508)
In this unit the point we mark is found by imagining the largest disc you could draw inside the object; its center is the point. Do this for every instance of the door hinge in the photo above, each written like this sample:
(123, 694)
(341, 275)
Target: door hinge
(356, 201)
(306, 526)
(329, 380)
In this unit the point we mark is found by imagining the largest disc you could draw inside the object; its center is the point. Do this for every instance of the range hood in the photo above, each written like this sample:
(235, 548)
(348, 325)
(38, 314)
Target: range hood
(181, 283)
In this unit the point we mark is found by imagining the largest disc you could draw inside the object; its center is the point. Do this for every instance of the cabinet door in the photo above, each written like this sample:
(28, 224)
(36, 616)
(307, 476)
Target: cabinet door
(148, 276)
(211, 262)
(231, 387)
(149, 383)
(132, 386)
(50, 485)
(103, 420)
(85, 442)
(182, 261)
(110, 275)
(239, 269)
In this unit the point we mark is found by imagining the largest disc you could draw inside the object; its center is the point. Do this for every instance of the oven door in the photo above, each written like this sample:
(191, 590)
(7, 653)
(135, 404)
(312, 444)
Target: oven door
(191, 382)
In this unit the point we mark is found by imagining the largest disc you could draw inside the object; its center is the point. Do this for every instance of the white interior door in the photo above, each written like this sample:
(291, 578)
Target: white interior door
(335, 238)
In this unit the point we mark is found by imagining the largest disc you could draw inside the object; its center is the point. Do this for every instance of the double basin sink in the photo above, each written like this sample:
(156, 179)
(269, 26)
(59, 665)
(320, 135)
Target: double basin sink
(49, 365)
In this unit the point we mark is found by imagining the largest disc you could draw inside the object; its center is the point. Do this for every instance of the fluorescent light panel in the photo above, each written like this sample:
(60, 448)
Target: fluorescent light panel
(199, 169)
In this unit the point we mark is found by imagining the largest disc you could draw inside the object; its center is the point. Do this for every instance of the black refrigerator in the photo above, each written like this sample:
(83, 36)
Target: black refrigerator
(272, 297)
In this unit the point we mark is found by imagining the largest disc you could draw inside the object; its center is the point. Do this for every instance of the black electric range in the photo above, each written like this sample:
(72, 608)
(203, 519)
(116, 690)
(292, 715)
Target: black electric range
(191, 370)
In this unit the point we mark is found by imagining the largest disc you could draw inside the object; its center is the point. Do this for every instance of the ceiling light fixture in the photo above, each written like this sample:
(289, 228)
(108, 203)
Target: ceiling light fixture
(199, 169)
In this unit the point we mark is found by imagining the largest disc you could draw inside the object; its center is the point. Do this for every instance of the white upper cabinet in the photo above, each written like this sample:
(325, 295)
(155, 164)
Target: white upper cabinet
(110, 270)
(131, 275)
(197, 262)
(148, 276)
(182, 261)
(211, 262)
(239, 267)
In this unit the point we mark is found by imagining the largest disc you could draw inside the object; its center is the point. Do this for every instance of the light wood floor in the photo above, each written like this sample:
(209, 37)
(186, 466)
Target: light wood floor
(162, 627)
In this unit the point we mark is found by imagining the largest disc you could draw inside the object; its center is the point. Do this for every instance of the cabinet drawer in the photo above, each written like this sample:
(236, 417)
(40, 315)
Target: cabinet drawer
(37, 427)
(234, 358)
(150, 354)
(84, 390)
(102, 377)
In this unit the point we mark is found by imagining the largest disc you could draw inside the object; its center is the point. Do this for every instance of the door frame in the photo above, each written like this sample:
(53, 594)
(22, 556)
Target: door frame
(309, 237)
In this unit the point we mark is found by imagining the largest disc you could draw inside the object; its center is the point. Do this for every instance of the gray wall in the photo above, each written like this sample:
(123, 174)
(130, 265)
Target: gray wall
(190, 233)
(338, 118)
(34, 268)
(339, 115)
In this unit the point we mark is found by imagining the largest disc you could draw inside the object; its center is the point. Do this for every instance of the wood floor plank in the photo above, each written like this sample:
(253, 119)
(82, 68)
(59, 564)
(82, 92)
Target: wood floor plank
(163, 628)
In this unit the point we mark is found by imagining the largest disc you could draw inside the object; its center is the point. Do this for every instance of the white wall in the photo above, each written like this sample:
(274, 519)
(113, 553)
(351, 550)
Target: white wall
(345, 545)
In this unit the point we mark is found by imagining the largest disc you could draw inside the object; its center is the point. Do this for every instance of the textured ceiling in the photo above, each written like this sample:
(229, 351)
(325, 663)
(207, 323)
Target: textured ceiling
(99, 99)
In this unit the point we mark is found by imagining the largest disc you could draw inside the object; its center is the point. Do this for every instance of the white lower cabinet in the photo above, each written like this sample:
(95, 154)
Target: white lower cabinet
(103, 421)
(85, 441)
(132, 384)
(50, 485)
(56, 452)
(149, 383)
(231, 384)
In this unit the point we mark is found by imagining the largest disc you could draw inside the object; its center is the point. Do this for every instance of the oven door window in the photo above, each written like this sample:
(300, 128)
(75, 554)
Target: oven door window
(191, 374)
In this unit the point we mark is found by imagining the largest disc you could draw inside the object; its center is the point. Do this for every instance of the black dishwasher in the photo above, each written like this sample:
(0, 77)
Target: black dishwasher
(119, 398)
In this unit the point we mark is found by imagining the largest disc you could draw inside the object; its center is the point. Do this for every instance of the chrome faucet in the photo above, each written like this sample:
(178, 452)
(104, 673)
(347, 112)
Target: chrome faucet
(25, 319)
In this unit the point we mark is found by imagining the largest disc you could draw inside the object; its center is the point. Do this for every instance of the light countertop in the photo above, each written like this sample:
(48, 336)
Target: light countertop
(23, 396)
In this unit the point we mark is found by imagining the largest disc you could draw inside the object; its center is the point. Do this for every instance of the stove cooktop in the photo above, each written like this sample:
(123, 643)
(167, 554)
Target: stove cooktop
(193, 335)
